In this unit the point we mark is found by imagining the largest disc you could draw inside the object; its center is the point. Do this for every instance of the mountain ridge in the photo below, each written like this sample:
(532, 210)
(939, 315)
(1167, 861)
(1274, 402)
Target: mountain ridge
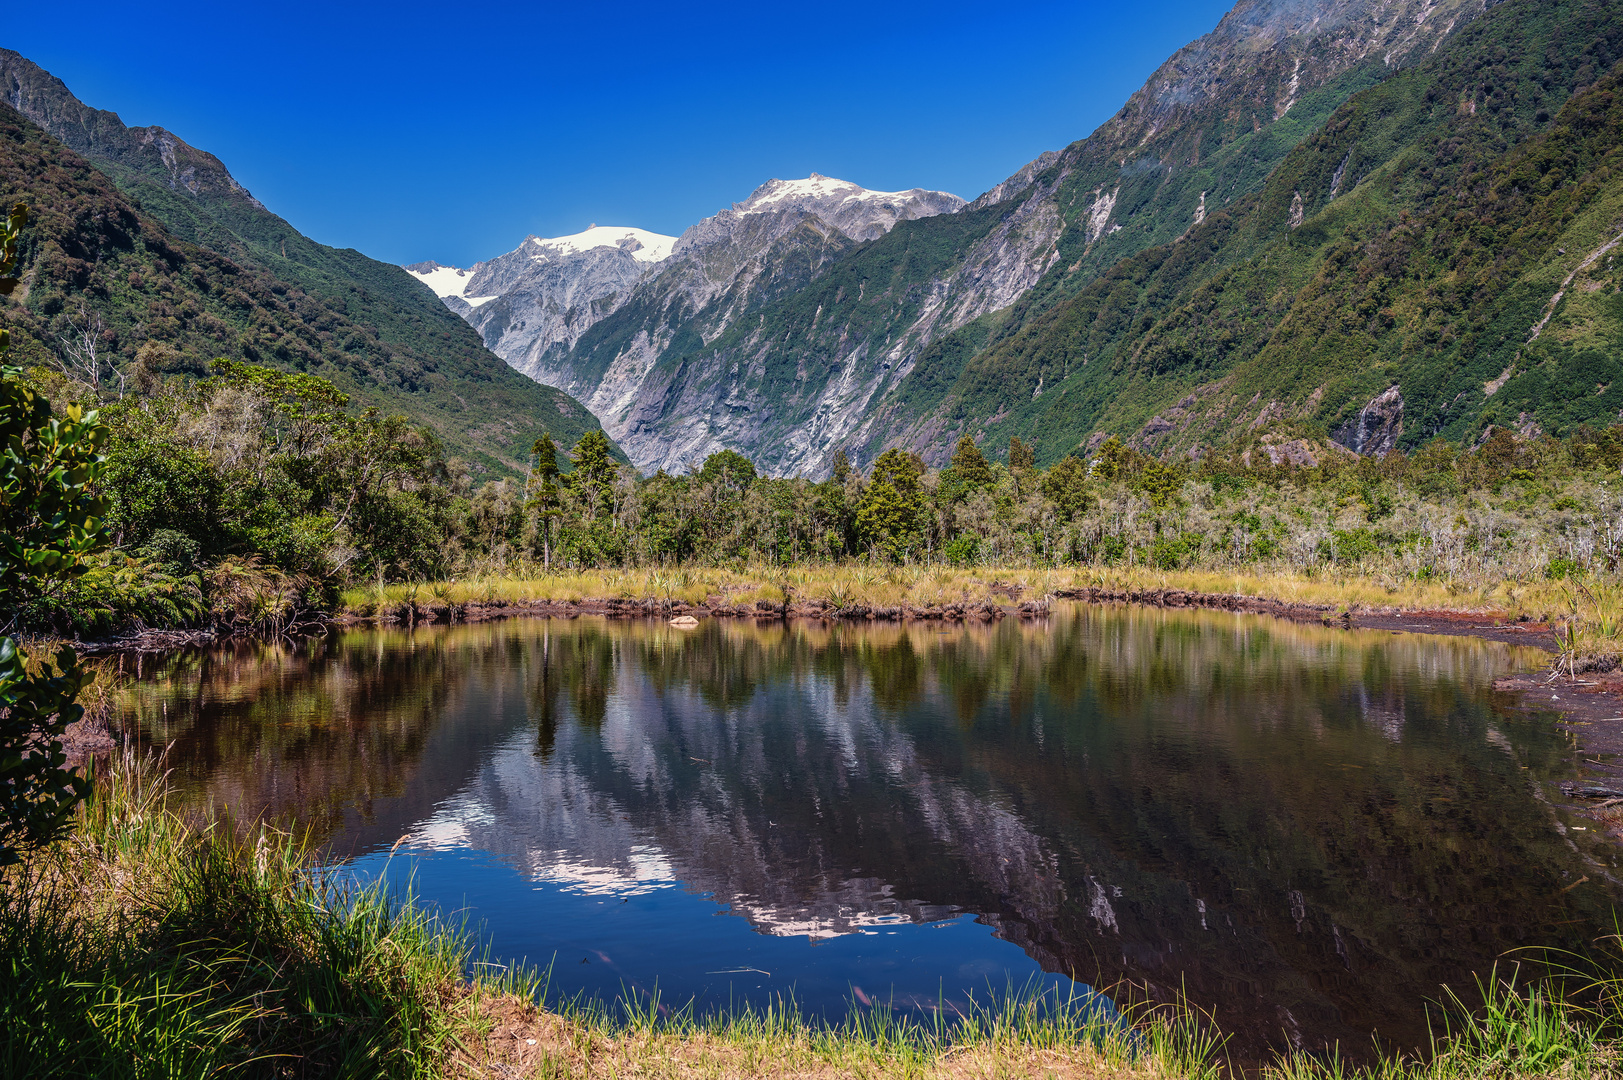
(1312, 301)
(418, 359)
(816, 362)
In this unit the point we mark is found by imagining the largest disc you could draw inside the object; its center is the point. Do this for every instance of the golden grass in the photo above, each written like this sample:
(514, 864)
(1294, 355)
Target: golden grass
(926, 586)
(511, 1037)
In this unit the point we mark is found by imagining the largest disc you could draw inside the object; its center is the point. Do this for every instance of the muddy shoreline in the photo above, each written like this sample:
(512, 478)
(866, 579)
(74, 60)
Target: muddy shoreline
(1009, 604)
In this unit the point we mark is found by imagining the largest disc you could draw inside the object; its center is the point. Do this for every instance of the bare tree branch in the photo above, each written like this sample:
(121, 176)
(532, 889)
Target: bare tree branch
(80, 356)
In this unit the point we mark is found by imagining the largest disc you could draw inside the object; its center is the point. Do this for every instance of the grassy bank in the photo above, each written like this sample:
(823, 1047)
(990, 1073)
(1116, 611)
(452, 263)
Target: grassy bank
(149, 945)
(1587, 614)
(926, 586)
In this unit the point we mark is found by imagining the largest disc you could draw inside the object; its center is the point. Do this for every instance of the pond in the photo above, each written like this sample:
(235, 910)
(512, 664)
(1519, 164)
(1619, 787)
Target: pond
(1307, 831)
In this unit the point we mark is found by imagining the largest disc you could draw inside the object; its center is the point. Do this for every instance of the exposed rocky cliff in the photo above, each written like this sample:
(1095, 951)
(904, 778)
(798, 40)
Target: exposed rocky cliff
(649, 369)
(606, 320)
(532, 304)
(153, 151)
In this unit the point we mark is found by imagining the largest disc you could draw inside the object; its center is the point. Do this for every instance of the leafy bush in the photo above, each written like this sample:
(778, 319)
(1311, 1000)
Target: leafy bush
(1173, 552)
(961, 550)
(1560, 568)
(1348, 547)
(117, 592)
(50, 523)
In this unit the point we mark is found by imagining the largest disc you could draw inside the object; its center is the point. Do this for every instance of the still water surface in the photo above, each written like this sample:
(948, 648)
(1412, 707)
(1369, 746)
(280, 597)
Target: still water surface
(1308, 831)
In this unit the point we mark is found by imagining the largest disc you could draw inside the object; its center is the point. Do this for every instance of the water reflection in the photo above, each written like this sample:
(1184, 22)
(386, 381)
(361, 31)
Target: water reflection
(1306, 830)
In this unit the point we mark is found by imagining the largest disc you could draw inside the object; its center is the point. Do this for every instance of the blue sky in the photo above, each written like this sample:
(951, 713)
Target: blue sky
(451, 130)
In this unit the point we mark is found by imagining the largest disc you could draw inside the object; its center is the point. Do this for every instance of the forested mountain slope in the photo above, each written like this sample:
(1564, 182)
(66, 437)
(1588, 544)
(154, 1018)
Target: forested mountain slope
(367, 325)
(827, 361)
(1388, 284)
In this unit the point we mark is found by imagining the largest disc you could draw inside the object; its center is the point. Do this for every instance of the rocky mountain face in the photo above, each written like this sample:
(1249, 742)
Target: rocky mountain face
(1214, 119)
(600, 320)
(648, 368)
(1207, 129)
(364, 324)
(150, 151)
(533, 303)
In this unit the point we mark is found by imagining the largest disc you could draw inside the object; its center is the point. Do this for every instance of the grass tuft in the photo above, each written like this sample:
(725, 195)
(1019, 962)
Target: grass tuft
(149, 945)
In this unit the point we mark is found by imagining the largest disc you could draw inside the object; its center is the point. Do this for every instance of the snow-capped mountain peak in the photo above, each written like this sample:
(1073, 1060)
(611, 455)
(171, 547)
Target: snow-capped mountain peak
(640, 244)
(447, 281)
(535, 305)
(816, 188)
(851, 208)
(548, 290)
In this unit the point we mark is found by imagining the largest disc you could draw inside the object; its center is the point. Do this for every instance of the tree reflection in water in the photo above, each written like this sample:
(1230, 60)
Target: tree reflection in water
(1307, 830)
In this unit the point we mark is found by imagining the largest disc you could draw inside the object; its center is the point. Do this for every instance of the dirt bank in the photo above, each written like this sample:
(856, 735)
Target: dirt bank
(1012, 602)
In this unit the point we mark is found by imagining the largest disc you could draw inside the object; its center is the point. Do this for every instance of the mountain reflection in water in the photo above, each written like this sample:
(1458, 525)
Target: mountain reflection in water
(1308, 831)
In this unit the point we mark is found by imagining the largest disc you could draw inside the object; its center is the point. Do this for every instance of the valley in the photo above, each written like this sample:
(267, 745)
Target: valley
(1160, 617)
(156, 242)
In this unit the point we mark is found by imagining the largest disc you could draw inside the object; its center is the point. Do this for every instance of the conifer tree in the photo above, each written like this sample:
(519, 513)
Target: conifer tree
(970, 465)
(543, 493)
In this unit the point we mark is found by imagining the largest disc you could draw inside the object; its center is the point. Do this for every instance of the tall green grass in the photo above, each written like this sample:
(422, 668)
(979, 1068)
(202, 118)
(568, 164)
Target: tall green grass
(150, 946)
(1534, 1029)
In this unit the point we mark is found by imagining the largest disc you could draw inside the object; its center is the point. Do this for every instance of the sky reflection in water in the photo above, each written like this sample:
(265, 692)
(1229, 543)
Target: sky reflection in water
(1307, 830)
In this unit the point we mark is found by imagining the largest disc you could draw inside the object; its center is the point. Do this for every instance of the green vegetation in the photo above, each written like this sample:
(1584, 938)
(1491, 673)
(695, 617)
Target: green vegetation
(147, 945)
(1518, 526)
(246, 499)
(50, 522)
(230, 446)
(168, 282)
(259, 498)
(1418, 240)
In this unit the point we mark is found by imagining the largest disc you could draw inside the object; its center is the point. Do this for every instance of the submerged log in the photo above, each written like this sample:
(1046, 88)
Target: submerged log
(1591, 791)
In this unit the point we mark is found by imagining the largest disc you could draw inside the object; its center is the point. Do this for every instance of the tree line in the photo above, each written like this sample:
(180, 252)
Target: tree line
(253, 496)
(241, 495)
